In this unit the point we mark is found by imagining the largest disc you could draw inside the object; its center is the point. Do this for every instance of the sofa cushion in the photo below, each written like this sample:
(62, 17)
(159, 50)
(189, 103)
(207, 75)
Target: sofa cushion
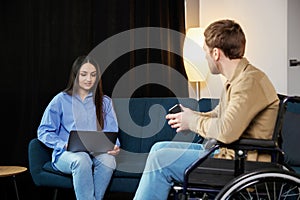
(207, 104)
(48, 167)
(142, 122)
(130, 165)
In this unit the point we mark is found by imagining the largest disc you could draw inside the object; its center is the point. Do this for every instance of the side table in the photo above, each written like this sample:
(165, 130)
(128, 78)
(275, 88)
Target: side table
(12, 171)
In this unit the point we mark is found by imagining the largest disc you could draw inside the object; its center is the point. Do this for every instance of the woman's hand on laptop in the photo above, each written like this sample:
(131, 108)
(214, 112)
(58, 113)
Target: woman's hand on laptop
(115, 151)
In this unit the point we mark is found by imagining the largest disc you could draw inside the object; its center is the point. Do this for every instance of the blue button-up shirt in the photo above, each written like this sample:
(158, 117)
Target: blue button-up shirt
(65, 113)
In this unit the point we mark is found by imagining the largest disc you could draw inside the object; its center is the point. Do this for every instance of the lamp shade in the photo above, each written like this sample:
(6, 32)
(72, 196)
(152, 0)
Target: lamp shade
(194, 59)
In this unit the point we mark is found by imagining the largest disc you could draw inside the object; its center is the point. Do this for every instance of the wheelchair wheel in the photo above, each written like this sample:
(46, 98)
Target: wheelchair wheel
(264, 184)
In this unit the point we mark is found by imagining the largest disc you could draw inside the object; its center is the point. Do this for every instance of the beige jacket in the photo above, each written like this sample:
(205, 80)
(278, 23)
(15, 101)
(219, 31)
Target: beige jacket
(248, 108)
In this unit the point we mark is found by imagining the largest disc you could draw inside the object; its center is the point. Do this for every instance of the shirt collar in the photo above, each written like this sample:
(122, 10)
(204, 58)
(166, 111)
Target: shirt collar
(90, 95)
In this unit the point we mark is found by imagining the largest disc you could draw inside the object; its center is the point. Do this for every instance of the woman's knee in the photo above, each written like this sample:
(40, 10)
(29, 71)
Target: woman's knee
(106, 160)
(81, 160)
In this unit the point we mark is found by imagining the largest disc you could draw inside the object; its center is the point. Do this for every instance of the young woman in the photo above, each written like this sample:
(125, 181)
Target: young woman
(81, 106)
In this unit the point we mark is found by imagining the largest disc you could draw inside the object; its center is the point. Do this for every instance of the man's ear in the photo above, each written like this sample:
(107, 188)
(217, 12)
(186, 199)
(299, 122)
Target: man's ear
(216, 54)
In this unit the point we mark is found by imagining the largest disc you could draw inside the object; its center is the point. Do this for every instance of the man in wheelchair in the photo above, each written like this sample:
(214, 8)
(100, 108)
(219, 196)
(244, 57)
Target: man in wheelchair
(247, 108)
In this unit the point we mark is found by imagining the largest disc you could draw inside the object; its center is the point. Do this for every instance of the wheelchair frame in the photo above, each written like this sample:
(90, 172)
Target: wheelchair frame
(211, 178)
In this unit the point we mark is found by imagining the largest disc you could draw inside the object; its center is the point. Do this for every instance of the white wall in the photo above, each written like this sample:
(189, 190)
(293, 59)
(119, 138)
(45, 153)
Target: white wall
(265, 25)
(294, 46)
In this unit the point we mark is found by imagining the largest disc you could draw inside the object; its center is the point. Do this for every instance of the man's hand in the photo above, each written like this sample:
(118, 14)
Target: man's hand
(185, 120)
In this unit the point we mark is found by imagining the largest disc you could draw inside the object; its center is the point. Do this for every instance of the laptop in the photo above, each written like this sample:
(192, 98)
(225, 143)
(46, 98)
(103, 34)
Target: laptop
(91, 141)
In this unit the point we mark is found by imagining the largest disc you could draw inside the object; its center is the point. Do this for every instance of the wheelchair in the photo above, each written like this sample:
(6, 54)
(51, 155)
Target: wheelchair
(222, 179)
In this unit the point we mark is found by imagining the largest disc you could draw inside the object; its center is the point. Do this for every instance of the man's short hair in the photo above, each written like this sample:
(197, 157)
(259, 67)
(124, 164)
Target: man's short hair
(228, 36)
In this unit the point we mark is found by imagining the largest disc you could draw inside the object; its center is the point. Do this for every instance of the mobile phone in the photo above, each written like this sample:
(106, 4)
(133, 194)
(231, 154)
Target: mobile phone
(175, 109)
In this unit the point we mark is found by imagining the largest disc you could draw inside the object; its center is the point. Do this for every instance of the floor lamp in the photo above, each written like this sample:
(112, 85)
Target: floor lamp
(195, 63)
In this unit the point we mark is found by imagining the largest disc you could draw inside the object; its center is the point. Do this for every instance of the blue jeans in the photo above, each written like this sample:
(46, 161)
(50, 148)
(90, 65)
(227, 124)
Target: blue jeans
(166, 162)
(91, 174)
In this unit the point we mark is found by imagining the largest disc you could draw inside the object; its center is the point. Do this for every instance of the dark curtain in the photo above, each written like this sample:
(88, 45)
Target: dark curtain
(39, 41)
(121, 16)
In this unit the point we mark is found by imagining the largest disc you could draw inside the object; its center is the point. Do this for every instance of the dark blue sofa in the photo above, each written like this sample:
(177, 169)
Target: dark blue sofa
(141, 124)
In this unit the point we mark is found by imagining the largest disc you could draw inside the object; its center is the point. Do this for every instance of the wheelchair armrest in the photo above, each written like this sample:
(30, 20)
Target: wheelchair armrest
(252, 144)
(209, 143)
(243, 145)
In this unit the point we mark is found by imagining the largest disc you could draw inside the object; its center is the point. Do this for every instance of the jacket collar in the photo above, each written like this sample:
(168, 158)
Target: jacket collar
(239, 69)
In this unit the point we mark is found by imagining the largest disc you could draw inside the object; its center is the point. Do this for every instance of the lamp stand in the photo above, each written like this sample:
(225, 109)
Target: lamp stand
(198, 90)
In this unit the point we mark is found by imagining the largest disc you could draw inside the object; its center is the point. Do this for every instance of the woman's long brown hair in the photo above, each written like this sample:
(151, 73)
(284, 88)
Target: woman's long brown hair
(96, 89)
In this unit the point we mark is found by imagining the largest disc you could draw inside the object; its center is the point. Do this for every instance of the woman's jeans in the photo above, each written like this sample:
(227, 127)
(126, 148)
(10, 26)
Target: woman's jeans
(166, 163)
(91, 174)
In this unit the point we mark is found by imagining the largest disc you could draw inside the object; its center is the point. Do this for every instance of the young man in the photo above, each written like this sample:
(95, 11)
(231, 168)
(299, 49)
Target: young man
(248, 108)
